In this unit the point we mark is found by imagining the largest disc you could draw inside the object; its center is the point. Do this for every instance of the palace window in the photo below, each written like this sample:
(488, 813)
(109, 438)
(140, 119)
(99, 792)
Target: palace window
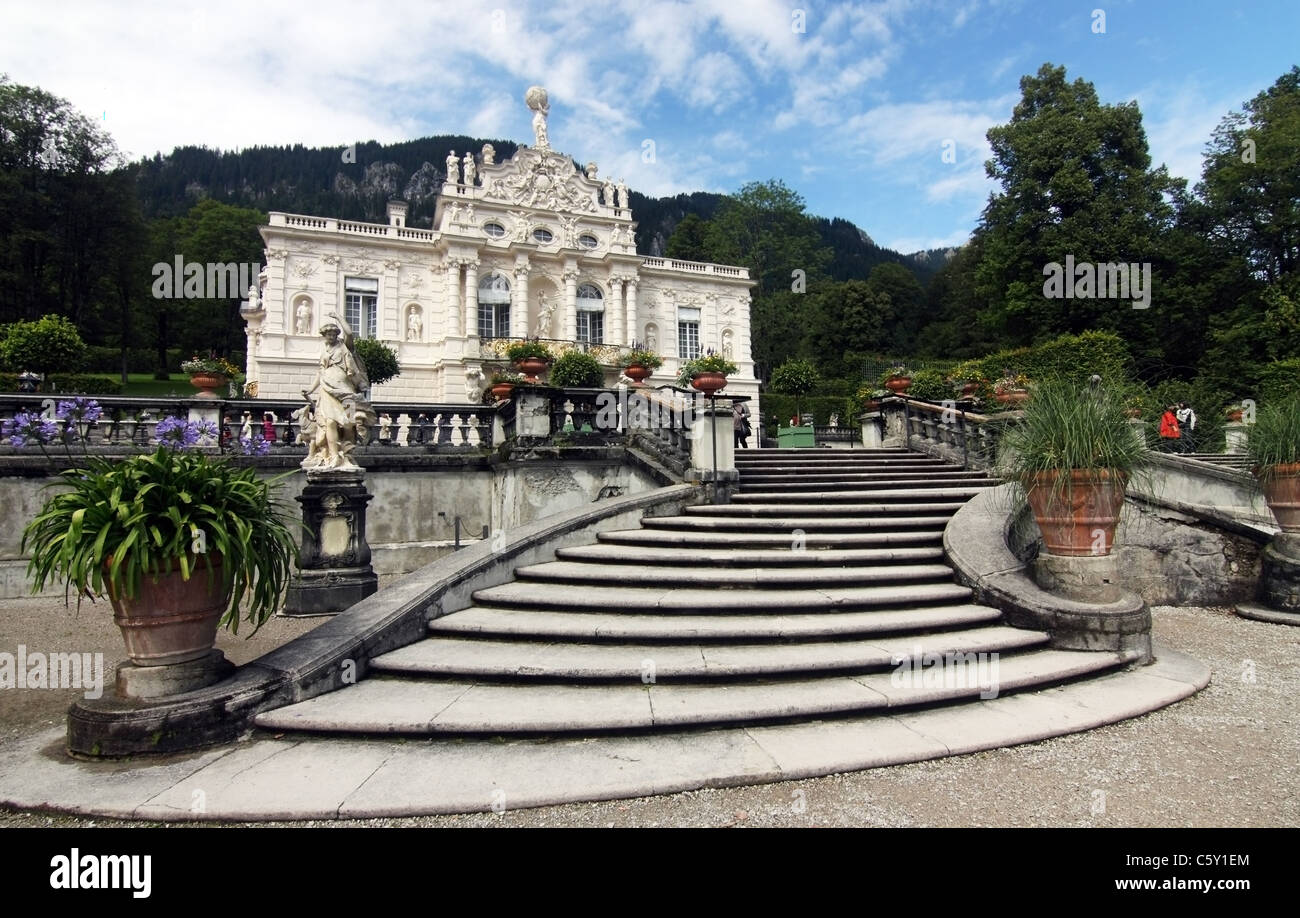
(495, 230)
(543, 235)
(588, 241)
(361, 305)
(494, 307)
(591, 314)
(688, 333)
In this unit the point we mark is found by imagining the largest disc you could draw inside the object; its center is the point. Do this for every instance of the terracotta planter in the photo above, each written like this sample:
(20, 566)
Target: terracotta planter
(207, 383)
(637, 373)
(1012, 396)
(1282, 493)
(1132, 412)
(1235, 415)
(969, 388)
(898, 383)
(172, 620)
(501, 391)
(531, 367)
(1078, 517)
(708, 382)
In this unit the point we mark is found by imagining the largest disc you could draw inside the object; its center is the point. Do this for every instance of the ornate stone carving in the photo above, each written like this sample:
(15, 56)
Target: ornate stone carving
(536, 100)
(277, 254)
(392, 264)
(330, 259)
(543, 180)
(361, 266)
(304, 270)
(489, 155)
(591, 170)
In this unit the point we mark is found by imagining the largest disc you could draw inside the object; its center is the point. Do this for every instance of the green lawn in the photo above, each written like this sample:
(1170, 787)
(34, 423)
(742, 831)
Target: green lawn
(145, 386)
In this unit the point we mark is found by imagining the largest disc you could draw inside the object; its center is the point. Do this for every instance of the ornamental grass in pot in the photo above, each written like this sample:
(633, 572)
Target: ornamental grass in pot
(178, 541)
(1274, 448)
(1073, 453)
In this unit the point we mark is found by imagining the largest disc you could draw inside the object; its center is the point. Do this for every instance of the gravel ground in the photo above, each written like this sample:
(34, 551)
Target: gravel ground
(1225, 757)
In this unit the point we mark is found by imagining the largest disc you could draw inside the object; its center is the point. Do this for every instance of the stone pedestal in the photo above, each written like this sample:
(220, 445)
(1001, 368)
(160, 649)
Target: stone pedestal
(334, 569)
(713, 436)
(872, 435)
(1089, 579)
(1234, 437)
(143, 682)
(1278, 595)
(1138, 428)
(532, 414)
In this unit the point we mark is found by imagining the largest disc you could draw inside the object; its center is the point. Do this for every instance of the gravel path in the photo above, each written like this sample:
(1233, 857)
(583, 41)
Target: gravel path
(1228, 756)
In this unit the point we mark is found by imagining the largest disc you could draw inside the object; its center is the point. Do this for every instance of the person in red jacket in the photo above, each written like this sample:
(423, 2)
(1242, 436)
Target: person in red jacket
(268, 427)
(1169, 432)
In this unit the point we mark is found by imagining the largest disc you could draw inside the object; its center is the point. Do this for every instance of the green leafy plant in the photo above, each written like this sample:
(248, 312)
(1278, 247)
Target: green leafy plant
(124, 519)
(577, 370)
(1275, 436)
(50, 343)
(640, 357)
(930, 385)
(894, 372)
(524, 350)
(1067, 427)
(709, 363)
(379, 359)
(795, 377)
(211, 365)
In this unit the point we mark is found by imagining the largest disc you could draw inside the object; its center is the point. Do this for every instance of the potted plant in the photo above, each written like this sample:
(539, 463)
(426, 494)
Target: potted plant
(209, 373)
(795, 377)
(1012, 388)
(502, 384)
(706, 374)
(897, 379)
(967, 378)
(640, 364)
(1073, 453)
(1274, 448)
(530, 358)
(178, 540)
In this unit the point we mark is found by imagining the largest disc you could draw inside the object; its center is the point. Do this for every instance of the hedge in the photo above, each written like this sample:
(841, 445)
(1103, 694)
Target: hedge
(778, 409)
(68, 384)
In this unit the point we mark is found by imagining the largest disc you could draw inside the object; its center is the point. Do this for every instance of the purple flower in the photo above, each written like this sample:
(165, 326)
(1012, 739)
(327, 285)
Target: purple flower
(206, 429)
(79, 409)
(254, 445)
(27, 426)
(176, 432)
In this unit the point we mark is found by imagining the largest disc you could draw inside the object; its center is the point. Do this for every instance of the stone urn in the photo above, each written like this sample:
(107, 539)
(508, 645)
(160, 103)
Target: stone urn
(501, 391)
(172, 620)
(208, 383)
(1012, 396)
(1282, 494)
(637, 373)
(708, 382)
(1077, 510)
(532, 367)
(898, 384)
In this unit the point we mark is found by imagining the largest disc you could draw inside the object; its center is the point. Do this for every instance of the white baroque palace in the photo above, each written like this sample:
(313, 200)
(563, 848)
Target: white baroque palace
(530, 247)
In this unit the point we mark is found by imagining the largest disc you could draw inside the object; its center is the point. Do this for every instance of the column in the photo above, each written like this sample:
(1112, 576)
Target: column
(452, 328)
(631, 311)
(570, 306)
(615, 313)
(519, 305)
(471, 298)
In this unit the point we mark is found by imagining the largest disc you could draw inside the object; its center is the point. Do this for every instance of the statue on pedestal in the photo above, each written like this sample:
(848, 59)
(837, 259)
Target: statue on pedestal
(622, 194)
(489, 155)
(535, 98)
(338, 405)
(302, 324)
(470, 170)
(608, 188)
(453, 168)
(545, 310)
(414, 325)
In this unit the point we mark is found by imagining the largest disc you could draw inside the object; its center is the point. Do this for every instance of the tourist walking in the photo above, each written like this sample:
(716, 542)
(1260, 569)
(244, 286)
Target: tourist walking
(1169, 433)
(740, 423)
(1186, 426)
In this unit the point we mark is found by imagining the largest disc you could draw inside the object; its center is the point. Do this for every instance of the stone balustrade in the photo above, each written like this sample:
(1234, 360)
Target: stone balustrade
(946, 430)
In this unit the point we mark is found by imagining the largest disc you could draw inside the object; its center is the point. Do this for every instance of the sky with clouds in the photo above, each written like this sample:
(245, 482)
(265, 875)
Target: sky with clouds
(851, 104)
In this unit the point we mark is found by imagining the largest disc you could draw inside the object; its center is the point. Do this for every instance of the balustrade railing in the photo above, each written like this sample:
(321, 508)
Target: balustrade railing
(948, 430)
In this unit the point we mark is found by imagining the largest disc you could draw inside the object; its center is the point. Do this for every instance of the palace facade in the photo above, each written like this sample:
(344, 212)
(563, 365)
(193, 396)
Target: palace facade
(530, 247)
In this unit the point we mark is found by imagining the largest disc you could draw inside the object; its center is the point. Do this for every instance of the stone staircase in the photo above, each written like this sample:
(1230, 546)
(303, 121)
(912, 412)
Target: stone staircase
(794, 603)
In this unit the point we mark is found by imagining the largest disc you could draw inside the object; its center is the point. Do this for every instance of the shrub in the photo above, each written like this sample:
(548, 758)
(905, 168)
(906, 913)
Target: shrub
(930, 385)
(379, 359)
(1067, 426)
(1279, 380)
(577, 370)
(1275, 437)
(523, 350)
(648, 359)
(49, 344)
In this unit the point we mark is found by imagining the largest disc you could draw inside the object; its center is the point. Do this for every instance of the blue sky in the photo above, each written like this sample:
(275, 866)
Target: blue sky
(852, 111)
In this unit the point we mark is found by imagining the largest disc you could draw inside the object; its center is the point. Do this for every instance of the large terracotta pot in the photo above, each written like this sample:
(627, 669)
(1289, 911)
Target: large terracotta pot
(1012, 396)
(1078, 516)
(898, 383)
(1282, 493)
(708, 382)
(531, 367)
(172, 620)
(207, 383)
(969, 388)
(501, 391)
(637, 373)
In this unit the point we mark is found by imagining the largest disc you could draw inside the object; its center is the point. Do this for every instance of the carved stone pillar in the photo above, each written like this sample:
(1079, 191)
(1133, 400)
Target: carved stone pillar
(334, 569)
(453, 298)
(631, 309)
(571, 305)
(471, 298)
(615, 314)
(519, 306)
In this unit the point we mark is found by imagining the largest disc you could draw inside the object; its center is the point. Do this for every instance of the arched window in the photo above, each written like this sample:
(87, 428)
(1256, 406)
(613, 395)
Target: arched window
(494, 307)
(591, 314)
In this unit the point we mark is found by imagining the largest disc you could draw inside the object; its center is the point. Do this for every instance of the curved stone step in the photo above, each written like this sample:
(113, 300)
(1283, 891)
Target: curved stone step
(689, 572)
(607, 552)
(678, 627)
(410, 706)
(724, 524)
(846, 481)
(772, 506)
(515, 658)
(696, 600)
(811, 541)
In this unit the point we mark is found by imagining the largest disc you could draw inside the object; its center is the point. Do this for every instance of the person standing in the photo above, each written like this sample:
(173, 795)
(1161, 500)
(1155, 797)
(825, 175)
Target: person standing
(740, 423)
(1186, 425)
(1169, 433)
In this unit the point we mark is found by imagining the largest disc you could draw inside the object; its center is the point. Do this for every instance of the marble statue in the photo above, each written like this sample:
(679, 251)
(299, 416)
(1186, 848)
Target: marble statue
(246, 429)
(338, 405)
(302, 325)
(475, 383)
(535, 98)
(252, 299)
(489, 155)
(622, 194)
(545, 311)
(726, 344)
(591, 171)
(414, 326)
(470, 171)
(651, 339)
(385, 426)
(609, 193)
(453, 168)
